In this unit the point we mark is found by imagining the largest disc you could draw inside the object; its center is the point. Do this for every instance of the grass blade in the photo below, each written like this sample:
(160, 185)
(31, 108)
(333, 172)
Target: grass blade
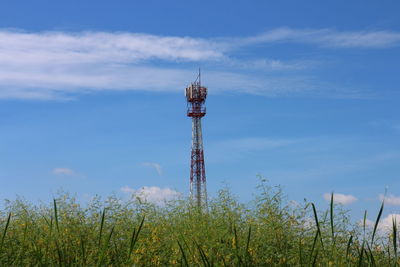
(101, 226)
(248, 239)
(104, 248)
(300, 252)
(134, 238)
(59, 250)
(361, 257)
(248, 257)
(348, 247)
(59, 254)
(5, 230)
(183, 255)
(376, 223)
(131, 245)
(371, 256)
(394, 222)
(315, 258)
(139, 229)
(235, 237)
(56, 215)
(331, 219)
(83, 250)
(203, 256)
(317, 223)
(313, 245)
(236, 241)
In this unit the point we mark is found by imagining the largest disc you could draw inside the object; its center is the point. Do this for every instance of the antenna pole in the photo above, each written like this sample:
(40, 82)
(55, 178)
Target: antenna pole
(196, 97)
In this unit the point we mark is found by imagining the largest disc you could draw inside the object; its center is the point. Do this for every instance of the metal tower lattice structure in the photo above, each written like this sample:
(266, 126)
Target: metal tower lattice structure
(196, 97)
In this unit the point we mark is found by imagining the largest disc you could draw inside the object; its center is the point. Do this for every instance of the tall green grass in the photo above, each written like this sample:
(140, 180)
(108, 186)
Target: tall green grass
(269, 231)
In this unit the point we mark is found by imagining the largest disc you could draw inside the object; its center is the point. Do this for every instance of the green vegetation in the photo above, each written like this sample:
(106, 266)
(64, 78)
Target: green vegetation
(267, 232)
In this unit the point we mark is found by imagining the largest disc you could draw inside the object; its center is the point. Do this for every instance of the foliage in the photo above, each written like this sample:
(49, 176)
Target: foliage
(267, 232)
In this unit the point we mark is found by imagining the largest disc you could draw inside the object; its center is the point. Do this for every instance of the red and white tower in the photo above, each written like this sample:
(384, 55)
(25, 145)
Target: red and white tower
(196, 97)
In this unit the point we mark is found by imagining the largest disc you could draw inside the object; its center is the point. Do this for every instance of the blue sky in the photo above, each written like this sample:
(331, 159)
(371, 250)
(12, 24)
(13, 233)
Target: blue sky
(304, 93)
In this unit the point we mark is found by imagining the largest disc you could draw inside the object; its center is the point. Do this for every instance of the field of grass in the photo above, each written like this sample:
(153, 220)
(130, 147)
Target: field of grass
(266, 232)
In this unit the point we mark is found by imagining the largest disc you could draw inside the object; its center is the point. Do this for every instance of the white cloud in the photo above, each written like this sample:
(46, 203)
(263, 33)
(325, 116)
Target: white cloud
(25, 48)
(64, 171)
(154, 165)
(48, 65)
(390, 199)
(152, 194)
(340, 198)
(385, 224)
(328, 38)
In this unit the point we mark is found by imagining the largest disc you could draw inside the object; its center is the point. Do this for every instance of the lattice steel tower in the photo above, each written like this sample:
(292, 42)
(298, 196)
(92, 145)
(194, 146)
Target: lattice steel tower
(196, 97)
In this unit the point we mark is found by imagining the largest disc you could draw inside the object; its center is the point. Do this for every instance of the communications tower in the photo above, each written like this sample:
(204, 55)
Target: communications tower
(196, 97)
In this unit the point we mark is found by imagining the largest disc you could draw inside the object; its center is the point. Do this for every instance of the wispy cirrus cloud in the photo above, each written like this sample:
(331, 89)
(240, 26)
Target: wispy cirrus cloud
(48, 65)
(340, 198)
(29, 48)
(64, 171)
(328, 38)
(154, 165)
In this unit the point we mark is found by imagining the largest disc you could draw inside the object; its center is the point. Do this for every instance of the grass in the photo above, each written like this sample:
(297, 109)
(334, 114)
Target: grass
(269, 231)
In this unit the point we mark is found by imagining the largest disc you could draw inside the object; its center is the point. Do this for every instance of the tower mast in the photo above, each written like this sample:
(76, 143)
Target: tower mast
(196, 97)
